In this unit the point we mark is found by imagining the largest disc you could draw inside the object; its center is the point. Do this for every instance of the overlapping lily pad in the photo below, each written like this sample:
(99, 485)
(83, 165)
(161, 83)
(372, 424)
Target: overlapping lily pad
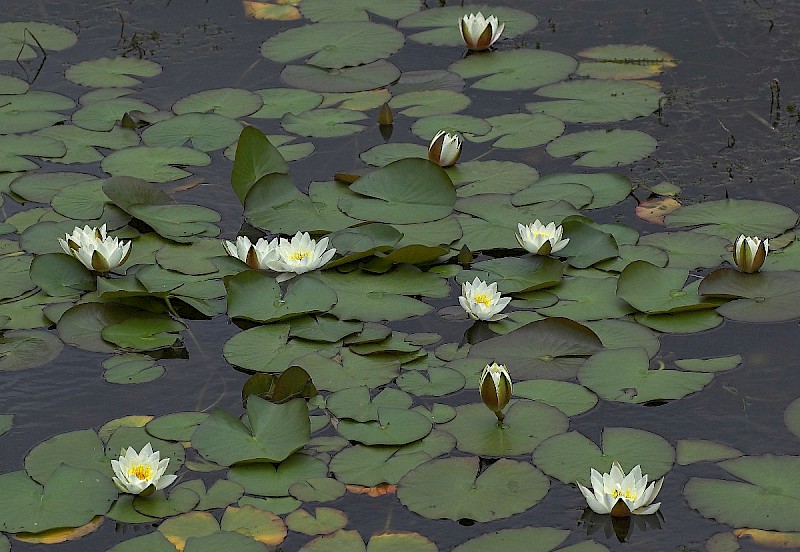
(23, 40)
(603, 148)
(112, 72)
(515, 69)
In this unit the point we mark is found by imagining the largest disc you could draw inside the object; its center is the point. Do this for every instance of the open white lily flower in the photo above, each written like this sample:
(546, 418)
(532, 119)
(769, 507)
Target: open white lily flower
(445, 148)
(95, 249)
(749, 253)
(479, 32)
(482, 301)
(540, 239)
(622, 495)
(135, 471)
(495, 388)
(300, 255)
(254, 255)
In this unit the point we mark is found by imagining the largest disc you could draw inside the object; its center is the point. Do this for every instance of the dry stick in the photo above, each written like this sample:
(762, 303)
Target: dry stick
(44, 56)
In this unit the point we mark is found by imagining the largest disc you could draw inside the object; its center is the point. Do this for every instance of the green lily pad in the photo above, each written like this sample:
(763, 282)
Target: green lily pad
(588, 244)
(569, 398)
(334, 45)
(349, 79)
(6, 421)
(569, 457)
(228, 102)
(527, 539)
(484, 177)
(362, 465)
(78, 449)
(13, 147)
(339, 541)
(597, 101)
(205, 131)
(276, 430)
(24, 349)
(196, 524)
(427, 127)
(143, 334)
(553, 348)
(323, 123)
(153, 542)
(131, 368)
(348, 369)
(154, 164)
(503, 489)
(266, 479)
(323, 328)
(406, 191)
(429, 102)
(434, 382)
(792, 417)
(607, 188)
(356, 10)
(255, 157)
(758, 297)
(20, 40)
(31, 111)
(526, 424)
(355, 403)
(516, 275)
(689, 250)
(576, 194)
(729, 218)
(103, 115)
(520, 130)
(322, 522)
(71, 497)
(618, 334)
(623, 375)
(319, 489)
(112, 72)
(280, 101)
(681, 322)
(81, 143)
(652, 289)
(514, 69)
(603, 148)
(13, 85)
(264, 526)
(691, 451)
(587, 299)
(444, 21)
(394, 426)
(766, 498)
(710, 365)
(179, 426)
(254, 295)
(160, 504)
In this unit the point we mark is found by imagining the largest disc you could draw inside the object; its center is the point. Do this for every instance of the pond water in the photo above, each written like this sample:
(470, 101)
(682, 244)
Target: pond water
(726, 127)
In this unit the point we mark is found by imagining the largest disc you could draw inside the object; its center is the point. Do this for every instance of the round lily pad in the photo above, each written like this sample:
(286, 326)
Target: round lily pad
(526, 424)
(690, 451)
(569, 398)
(603, 148)
(526, 539)
(503, 489)
(321, 522)
(31, 111)
(334, 45)
(349, 79)
(569, 457)
(205, 131)
(21, 40)
(442, 23)
(112, 72)
(324, 123)
(280, 101)
(263, 526)
(265, 479)
(520, 130)
(729, 218)
(514, 69)
(228, 102)
(24, 349)
(357, 10)
(394, 426)
(759, 297)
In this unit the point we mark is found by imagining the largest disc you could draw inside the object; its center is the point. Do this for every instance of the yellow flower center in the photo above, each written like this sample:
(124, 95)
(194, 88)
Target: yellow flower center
(484, 300)
(299, 255)
(630, 494)
(141, 471)
(545, 235)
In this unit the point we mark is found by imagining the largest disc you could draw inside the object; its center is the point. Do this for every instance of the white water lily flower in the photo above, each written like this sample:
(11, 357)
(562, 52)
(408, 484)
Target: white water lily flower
(540, 239)
(749, 253)
(495, 387)
(622, 495)
(445, 148)
(254, 255)
(479, 32)
(95, 249)
(482, 301)
(300, 255)
(135, 471)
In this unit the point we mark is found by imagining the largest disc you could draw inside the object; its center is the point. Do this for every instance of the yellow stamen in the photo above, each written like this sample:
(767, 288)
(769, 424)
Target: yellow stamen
(299, 255)
(484, 300)
(630, 494)
(141, 471)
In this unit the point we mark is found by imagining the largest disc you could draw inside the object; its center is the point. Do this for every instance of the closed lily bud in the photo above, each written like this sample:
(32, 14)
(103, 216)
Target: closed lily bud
(495, 388)
(445, 149)
(749, 253)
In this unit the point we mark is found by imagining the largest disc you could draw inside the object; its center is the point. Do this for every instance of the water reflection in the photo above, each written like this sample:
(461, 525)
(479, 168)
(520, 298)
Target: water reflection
(620, 527)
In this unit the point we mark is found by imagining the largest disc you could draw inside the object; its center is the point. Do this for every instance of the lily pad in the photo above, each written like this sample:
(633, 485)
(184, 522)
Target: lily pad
(276, 430)
(228, 102)
(689, 250)
(444, 22)
(154, 164)
(623, 375)
(304, 295)
(652, 289)
(266, 479)
(255, 157)
(334, 45)
(503, 489)
(31, 111)
(394, 426)
(766, 498)
(20, 40)
(205, 131)
(516, 275)
(349, 79)
(131, 368)
(82, 144)
(356, 10)
(729, 218)
(514, 69)
(280, 101)
(526, 539)
(758, 297)
(520, 130)
(691, 451)
(426, 103)
(526, 424)
(569, 398)
(607, 188)
(112, 72)
(103, 115)
(323, 123)
(603, 148)
(569, 457)
(13, 147)
(262, 526)
(24, 349)
(597, 101)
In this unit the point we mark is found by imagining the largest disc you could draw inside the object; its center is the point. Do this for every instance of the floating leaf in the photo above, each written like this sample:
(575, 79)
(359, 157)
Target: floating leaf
(729, 218)
(205, 131)
(322, 522)
(154, 164)
(526, 539)
(264, 479)
(304, 295)
(503, 489)
(111, 72)
(255, 157)
(334, 46)
(444, 22)
(356, 10)
(653, 289)
(520, 130)
(514, 69)
(81, 143)
(718, 364)
(20, 40)
(394, 426)
(762, 296)
(131, 368)
(603, 148)
(688, 250)
(31, 111)
(24, 349)
(426, 103)
(690, 451)
(623, 375)
(103, 115)
(323, 123)
(78, 449)
(569, 398)
(350, 79)
(13, 147)
(569, 457)
(265, 527)
(228, 102)
(280, 101)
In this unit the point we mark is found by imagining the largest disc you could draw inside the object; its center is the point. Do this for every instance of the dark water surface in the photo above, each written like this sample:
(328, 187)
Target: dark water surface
(717, 135)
